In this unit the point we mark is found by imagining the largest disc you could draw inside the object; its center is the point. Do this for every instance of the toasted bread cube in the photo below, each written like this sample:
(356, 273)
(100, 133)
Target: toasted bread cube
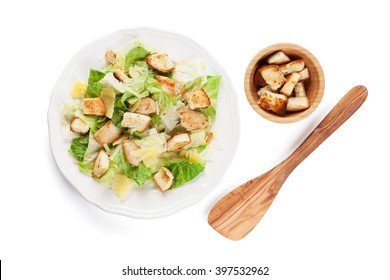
(178, 141)
(299, 90)
(163, 179)
(192, 120)
(77, 125)
(130, 146)
(274, 102)
(168, 85)
(273, 76)
(160, 62)
(136, 122)
(198, 99)
(110, 56)
(101, 165)
(295, 104)
(145, 106)
(258, 80)
(121, 76)
(288, 87)
(261, 90)
(293, 66)
(304, 74)
(93, 106)
(278, 57)
(108, 133)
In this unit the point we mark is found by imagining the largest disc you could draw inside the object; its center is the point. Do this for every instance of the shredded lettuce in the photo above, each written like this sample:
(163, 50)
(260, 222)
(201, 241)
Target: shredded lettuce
(184, 171)
(189, 70)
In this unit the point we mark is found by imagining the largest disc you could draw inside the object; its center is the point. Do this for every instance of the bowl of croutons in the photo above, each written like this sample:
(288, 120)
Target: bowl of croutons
(284, 83)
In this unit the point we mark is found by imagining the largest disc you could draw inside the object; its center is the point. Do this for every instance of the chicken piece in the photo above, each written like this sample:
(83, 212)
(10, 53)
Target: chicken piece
(178, 141)
(136, 122)
(146, 106)
(163, 179)
(198, 99)
(101, 165)
(110, 56)
(108, 133)
(77, 125)
(192, 120)
(121, 76)
(93, 106)
(167, 84)
(128, 147)
(160, 62)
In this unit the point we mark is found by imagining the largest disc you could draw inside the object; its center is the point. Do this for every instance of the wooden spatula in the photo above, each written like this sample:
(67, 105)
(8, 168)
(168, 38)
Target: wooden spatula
(238, 212)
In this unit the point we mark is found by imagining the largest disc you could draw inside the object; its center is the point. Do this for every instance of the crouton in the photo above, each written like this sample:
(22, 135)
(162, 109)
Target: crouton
(278, 57)
(274, 102)
(108, 133)
(77, 125)
(272, 76)
(168, 85)
(110, 56)
(145, 106)
(121, 76)
(299, 89)
(192, 120)
(258, 80)
(261, 90)
(136, 122)
(293, 66)
(295, 104)
(101, 165)
(304, 74)
(160, 62)
(93, 106)
(197, 99)
(178, 141)
(128, 147)
(163, 179)
(288, 87)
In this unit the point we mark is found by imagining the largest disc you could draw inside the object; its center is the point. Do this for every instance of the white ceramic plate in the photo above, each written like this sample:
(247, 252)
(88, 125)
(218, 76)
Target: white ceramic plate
(145, 203)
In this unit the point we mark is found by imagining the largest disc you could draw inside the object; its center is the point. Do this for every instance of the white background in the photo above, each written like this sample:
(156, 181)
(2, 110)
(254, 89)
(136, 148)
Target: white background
(331, 218)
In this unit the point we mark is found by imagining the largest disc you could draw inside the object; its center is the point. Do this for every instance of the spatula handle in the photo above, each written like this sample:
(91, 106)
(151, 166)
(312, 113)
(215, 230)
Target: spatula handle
(345, 108)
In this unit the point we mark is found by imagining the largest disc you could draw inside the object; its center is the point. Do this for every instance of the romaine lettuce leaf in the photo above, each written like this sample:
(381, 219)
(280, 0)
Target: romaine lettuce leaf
(184, 171)
(212, 88)
(135, 54)
(79, 147)
(94, 87)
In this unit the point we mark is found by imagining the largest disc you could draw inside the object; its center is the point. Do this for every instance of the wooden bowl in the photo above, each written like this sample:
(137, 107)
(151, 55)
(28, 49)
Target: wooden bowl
(315, 85)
